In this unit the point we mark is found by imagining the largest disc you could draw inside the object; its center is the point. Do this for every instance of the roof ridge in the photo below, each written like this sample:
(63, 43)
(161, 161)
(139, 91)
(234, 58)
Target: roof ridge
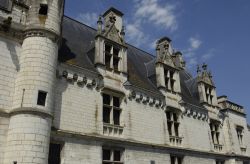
(96, 30)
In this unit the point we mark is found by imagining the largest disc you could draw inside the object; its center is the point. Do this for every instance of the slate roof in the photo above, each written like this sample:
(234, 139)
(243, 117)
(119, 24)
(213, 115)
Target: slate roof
(77, 48)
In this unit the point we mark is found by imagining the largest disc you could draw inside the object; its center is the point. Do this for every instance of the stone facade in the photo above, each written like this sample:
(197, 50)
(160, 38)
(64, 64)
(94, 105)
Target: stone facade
(78, 95)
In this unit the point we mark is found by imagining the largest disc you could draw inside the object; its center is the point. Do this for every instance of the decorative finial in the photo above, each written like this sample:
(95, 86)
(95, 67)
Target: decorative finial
(99, 19)
(198, 69)
(204, 66)
(99, 24)
(210, 74)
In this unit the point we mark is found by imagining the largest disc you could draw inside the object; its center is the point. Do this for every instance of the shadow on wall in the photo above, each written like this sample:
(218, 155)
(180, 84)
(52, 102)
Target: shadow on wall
(61, 87)
(13, 54)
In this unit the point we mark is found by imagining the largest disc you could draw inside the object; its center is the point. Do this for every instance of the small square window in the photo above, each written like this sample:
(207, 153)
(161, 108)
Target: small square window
(43, 9)
(41, 98)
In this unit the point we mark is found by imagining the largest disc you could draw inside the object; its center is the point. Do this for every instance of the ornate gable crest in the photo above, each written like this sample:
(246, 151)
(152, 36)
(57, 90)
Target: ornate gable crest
(164, 52)
(111, 32)
(204, 76)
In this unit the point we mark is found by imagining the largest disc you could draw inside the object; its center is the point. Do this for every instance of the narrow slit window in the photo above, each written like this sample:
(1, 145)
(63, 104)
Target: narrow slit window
(106, 154)
(41, 98)
(116, 117)
(43, 9)
(106, 114)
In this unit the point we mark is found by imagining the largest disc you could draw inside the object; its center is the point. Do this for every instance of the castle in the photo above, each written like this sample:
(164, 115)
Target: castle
(72, 94)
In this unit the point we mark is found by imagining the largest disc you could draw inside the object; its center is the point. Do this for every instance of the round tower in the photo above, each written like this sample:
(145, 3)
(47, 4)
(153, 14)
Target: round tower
(30, 119)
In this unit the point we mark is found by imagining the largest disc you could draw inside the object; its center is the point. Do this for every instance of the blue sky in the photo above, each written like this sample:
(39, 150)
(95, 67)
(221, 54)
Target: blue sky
(213, 31)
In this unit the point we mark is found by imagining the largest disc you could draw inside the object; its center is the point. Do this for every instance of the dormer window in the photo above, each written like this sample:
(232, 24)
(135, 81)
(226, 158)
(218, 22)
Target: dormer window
(209, 96)
(112, 57)
(239, 131)
(169, 79)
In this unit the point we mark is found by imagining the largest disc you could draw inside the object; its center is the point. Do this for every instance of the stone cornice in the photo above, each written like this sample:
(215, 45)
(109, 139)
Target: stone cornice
(41, 32)
(29, 110)
(25, 110)
(121, 141)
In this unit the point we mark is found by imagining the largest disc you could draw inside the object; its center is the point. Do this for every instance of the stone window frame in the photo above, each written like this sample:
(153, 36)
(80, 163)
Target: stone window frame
(169, 78)
(112, 106)
(240, 134)
(208, 93)
(112, 57)
(176, 159)
(219, 161)
(215, 131)
(173, 122)
(113, 156)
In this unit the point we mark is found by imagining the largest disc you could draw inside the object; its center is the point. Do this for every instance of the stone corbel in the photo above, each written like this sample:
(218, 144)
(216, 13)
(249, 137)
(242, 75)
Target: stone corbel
(132, 95)
(70, 77)
(81, 80)
(138, 97)
(91, 83)
(151, 101)
(145, 99)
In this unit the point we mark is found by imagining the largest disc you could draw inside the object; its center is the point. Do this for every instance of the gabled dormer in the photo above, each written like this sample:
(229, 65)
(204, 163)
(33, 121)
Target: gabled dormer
(110, 48)
(167, 73)
(206, 87)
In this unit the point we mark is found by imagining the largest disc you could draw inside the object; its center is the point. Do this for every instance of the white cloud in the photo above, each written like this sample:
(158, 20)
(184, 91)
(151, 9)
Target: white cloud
(89, 19)
(151, 11)
(208, 55)
(135, 35)
(153, 44)
(192, 62)
(195, 43)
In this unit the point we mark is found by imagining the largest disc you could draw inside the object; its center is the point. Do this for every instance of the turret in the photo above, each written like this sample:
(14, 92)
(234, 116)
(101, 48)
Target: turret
(31, 115)
(206, 87)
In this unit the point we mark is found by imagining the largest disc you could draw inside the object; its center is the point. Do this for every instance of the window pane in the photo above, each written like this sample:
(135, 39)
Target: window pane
(41, 98)
(115, 63)
(116, 117)
(106, 154)
(168, 116)
(170, 128)
(116, 101)
(106, 99)
(106, 115)
(107, 60)
(115, 51)
(179, 160)
(175, 117)
(107, 48)
(117, 155)
(172, 158)
(176, 127)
